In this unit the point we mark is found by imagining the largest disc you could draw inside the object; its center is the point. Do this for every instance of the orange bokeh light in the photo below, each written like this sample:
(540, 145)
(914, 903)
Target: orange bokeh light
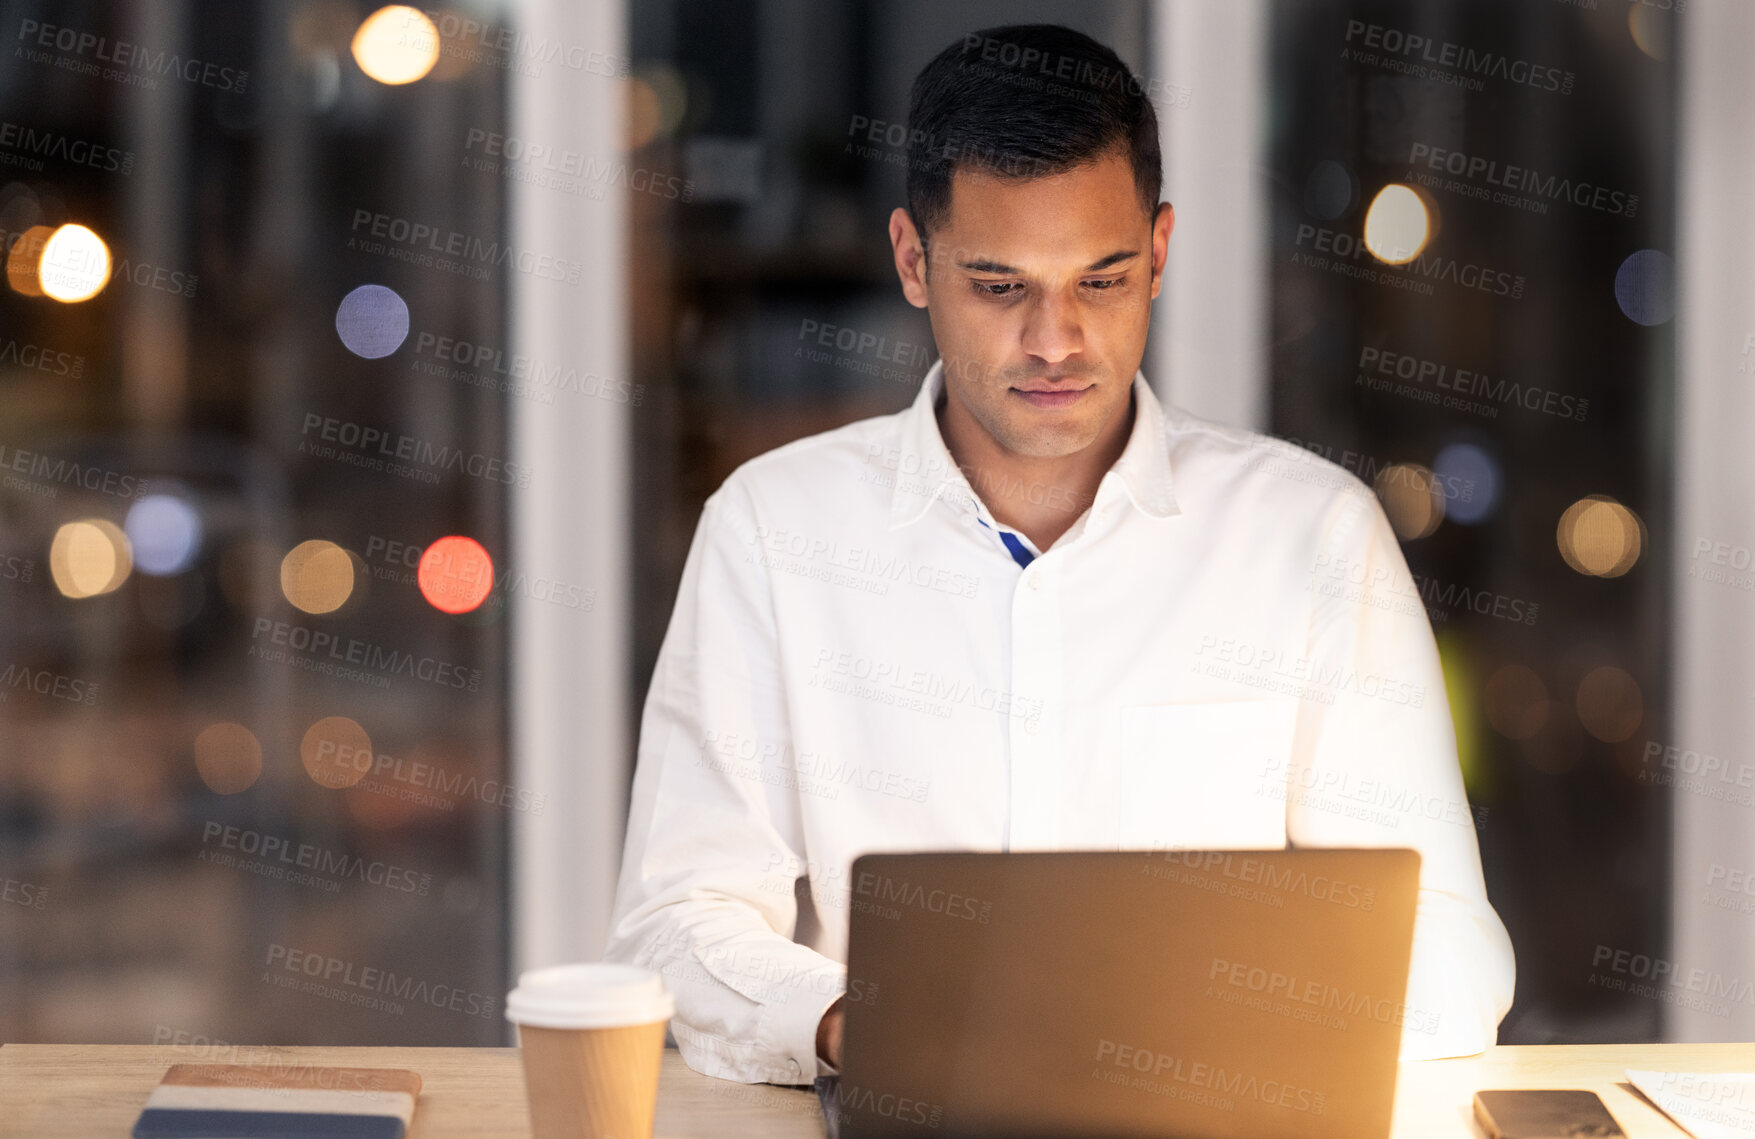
(456, 574)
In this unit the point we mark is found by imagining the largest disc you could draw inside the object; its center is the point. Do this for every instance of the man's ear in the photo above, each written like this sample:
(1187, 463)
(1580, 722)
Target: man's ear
(1162, 223)
(910, 254)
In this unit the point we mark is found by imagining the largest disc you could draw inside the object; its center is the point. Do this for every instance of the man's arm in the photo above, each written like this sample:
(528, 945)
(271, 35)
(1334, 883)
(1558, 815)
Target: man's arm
(1375, 764)
(714, 838)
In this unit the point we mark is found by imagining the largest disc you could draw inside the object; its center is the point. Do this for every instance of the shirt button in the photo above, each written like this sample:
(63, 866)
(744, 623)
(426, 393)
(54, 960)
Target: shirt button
(1031, 727)
(1035, 582)
(795, 1068)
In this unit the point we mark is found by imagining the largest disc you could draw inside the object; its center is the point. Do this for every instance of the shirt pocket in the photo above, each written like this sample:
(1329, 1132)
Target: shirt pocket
(1205, 776)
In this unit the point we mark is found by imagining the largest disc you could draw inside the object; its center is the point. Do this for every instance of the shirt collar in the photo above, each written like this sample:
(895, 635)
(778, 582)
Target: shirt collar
(925, 471)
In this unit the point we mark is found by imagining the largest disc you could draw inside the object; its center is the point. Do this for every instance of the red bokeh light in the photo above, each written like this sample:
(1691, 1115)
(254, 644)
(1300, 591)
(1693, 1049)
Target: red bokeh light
(456, 574)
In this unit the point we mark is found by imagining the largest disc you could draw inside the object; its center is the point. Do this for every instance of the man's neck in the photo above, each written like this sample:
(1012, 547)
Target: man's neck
(1041, 498)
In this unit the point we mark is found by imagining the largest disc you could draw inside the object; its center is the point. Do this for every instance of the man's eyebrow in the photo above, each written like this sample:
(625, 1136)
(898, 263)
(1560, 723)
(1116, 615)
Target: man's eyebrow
(1113, 259)
(982, 265)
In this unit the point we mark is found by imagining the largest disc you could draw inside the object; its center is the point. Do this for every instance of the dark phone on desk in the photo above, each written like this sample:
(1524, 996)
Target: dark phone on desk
(1537, 1113)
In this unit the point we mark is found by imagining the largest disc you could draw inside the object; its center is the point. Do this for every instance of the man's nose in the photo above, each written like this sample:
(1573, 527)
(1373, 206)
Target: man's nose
(1052, 331)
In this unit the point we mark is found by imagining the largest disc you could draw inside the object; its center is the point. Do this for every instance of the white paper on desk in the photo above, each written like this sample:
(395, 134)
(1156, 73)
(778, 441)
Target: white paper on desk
(1708, 1105)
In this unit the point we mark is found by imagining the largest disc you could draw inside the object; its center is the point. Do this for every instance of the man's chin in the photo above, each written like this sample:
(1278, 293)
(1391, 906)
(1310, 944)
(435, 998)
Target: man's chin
(1047, 443)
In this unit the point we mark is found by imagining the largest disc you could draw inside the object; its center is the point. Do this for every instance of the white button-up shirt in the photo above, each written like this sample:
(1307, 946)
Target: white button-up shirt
(1224, 651)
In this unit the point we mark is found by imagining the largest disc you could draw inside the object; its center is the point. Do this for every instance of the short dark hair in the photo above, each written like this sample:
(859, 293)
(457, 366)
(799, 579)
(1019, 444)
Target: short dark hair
(1024, 101)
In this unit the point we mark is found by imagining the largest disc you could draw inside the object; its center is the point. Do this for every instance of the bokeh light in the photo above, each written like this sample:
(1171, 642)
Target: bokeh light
(396, 45)
(228, 757)
(1473, 466)
(372, 321)
(23, 258)
(89, 558)
(165, 532)
(75, 265)
(1610, 704)
(1412, 498)
(1517, 701)
(657, 100)
(456, 574)
(1398, 225)
(317, 576)
(1330, 191)
(644, 113)
(1645, 287)
(1599, 537)
(1651, 29)
(336, 752)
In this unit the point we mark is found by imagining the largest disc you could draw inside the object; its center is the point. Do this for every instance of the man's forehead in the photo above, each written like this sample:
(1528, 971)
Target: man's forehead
(1072, 217)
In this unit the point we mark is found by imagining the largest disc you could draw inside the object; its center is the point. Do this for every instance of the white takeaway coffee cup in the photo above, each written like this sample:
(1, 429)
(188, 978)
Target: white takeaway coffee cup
(591, 1037)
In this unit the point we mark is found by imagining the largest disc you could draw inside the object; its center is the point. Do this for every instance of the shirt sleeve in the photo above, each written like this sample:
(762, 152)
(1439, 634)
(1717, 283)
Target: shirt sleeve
(1375, 765)
(714, 843)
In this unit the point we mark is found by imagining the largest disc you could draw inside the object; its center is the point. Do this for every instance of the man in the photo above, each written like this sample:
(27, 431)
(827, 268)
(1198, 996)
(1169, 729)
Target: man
(1034, 610)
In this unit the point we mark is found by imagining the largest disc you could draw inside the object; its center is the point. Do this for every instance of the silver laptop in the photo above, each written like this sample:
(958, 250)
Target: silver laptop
(1087, 995)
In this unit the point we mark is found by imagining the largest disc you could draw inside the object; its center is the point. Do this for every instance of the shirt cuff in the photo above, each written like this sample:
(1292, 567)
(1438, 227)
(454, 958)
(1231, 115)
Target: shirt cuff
(792, 1024)
(715, 1056)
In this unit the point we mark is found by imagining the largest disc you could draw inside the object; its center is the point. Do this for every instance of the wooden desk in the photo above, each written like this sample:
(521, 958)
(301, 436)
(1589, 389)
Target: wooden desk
(93, 1090)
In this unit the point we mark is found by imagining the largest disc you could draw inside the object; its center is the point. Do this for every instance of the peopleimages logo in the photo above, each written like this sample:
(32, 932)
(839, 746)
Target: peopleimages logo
(522, 51)
(901, 1108)
(1522, 180)
(45, 683)
(31, 145)
(1320, 995)
(1283, 879)
(34, 243)
(27, 894)
(1427, 58)
(1422, 270)
(451, 250)
(519, 374)
(40, 359)
(571, 171)
(1370, 469)
(418, 775)
(353, 651)
(143, 66)
(771, 545)
(378, 449)
(1150, 1068)
(370, 979)
(881, 889)
(1659, 977)
(1275, 668)
(68, 472)
(285, 854)
(1379, 365)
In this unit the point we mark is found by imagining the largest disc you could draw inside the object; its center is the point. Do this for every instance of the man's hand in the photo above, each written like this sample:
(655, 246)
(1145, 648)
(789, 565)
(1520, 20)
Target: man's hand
(829, 1035)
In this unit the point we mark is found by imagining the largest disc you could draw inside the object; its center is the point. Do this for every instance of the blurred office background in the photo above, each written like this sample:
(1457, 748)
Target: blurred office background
(363, 371)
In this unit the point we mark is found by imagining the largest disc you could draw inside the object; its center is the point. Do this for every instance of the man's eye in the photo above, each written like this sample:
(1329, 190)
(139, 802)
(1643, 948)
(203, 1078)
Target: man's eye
(1107, 283)
(1002, 289)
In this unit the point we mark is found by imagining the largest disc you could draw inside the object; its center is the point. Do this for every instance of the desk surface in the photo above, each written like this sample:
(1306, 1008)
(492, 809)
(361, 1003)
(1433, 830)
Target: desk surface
(94, 1090)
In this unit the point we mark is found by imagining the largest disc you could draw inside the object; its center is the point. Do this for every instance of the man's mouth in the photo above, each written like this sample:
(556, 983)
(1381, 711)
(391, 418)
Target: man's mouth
(1046, 396)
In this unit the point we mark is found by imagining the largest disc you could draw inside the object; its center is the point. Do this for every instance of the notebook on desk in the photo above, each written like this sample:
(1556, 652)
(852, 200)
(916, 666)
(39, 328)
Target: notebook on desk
(279, 1101)
(1119, 994)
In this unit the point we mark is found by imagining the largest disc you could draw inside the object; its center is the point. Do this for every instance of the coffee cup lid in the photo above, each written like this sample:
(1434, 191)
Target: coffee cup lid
(596, 995)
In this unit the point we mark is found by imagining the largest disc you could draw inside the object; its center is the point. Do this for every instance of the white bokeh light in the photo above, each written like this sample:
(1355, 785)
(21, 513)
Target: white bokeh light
(165, 531)
(372, 321)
